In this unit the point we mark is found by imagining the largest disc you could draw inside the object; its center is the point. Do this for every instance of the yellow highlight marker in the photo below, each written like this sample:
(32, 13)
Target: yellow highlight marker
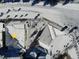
(14, 35)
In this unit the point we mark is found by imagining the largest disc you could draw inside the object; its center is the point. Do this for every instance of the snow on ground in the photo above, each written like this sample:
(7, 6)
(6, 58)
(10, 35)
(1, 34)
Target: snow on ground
(59, 14)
